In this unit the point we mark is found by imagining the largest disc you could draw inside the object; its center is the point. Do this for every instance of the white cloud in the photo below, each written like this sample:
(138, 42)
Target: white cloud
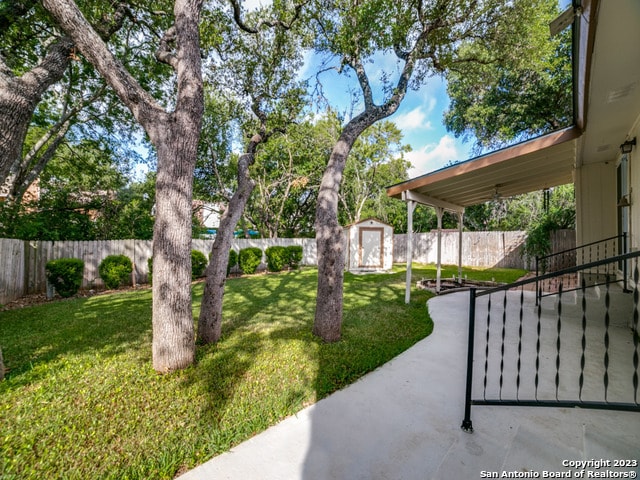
(434, 156)
(308, 59)
(251, 5)
(416, 118)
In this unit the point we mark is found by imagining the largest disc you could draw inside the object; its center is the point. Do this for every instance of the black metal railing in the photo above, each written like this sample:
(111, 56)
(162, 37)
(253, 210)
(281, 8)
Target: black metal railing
(580, 255)
(577, 349)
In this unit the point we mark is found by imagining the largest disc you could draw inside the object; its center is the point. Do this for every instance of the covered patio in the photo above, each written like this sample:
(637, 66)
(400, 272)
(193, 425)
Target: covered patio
(537, 164)
(606, 114)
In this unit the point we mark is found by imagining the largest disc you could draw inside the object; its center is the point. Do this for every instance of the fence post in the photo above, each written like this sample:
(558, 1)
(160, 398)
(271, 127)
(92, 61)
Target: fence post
(466, 422)
(26, 253)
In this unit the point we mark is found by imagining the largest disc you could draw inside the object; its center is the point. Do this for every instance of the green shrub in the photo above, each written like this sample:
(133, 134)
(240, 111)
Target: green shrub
(233, 260)
(276, 258)
(249, 259)
(198, 264)
(538, 241)
(294, 255)
(65, 274)
(114, 270)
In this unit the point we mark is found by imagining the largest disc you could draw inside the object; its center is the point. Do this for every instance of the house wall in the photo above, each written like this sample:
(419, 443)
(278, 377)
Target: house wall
(595, 202)
(634, 181)
(597, 197)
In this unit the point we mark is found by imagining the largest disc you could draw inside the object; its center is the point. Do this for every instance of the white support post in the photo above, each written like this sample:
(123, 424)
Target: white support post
(439, 213)
(411, 205)
(460, 221)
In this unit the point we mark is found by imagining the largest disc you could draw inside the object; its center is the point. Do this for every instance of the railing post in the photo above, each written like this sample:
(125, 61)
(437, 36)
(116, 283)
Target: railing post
(624, 263)
(466, 423)
(537, 275)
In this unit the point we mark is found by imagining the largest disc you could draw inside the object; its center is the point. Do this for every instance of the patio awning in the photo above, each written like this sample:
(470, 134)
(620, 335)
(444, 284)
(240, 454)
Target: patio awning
(543, 162)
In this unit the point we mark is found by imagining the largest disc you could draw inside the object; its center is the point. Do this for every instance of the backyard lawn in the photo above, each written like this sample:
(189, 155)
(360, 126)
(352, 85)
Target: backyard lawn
(81, 400)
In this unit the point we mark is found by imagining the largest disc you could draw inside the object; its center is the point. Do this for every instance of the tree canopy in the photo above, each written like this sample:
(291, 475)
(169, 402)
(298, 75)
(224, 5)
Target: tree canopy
(422, 39)
(50, 96)
(517, 96)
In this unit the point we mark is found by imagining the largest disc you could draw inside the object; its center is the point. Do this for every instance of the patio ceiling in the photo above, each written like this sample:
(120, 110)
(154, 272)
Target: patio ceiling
(540, 163)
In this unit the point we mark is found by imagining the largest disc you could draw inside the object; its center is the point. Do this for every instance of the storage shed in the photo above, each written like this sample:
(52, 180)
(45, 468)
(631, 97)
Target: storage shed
(369, 246)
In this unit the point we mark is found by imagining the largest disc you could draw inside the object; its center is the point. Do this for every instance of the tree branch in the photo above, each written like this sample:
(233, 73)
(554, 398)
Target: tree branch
(96, 51)
(165, 53)
(237, 17)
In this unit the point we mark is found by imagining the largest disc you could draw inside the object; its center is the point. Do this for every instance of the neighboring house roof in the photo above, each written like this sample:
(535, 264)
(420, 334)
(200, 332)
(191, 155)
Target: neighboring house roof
(32, 194)
(208, 214)
(606, 106)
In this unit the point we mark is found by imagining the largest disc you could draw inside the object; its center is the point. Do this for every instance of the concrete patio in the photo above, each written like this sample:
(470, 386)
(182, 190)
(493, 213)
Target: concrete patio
(403, 420)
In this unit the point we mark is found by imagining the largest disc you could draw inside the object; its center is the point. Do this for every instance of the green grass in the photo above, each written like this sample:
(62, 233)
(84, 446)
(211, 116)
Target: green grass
(81, 400)
(499, 275)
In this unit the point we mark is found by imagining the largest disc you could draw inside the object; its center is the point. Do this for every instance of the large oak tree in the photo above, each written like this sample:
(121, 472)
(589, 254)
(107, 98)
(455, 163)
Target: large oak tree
(174, 131)
(426, 37)
(260, 58)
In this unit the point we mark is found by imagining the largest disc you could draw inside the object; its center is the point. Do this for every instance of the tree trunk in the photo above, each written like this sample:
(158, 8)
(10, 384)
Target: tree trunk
(173, 344)
(175, 136)
(330, 244)
(210, 319)
(329, 234)
(19, 97)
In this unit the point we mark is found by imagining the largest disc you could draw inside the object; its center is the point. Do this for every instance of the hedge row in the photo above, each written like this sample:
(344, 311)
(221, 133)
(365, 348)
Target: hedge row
(65, 274)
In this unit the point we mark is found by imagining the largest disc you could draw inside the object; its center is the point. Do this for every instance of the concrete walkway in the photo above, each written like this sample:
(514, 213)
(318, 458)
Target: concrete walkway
(403, 420)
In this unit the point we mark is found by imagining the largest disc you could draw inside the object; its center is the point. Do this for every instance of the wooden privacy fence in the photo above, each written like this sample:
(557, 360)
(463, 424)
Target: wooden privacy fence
(479, 249)
(22, 263)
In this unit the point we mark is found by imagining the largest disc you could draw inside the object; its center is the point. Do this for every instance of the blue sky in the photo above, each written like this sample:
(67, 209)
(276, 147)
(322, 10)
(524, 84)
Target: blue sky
(419, 116)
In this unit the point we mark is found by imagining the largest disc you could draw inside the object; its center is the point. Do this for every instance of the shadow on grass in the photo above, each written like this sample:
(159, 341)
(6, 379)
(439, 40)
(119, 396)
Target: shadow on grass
(267, 366)
(267, 330)
(43, 334)
(239, 375)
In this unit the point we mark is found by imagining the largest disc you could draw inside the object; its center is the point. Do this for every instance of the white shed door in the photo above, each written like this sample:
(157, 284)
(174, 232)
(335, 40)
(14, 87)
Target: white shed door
(371, 247)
